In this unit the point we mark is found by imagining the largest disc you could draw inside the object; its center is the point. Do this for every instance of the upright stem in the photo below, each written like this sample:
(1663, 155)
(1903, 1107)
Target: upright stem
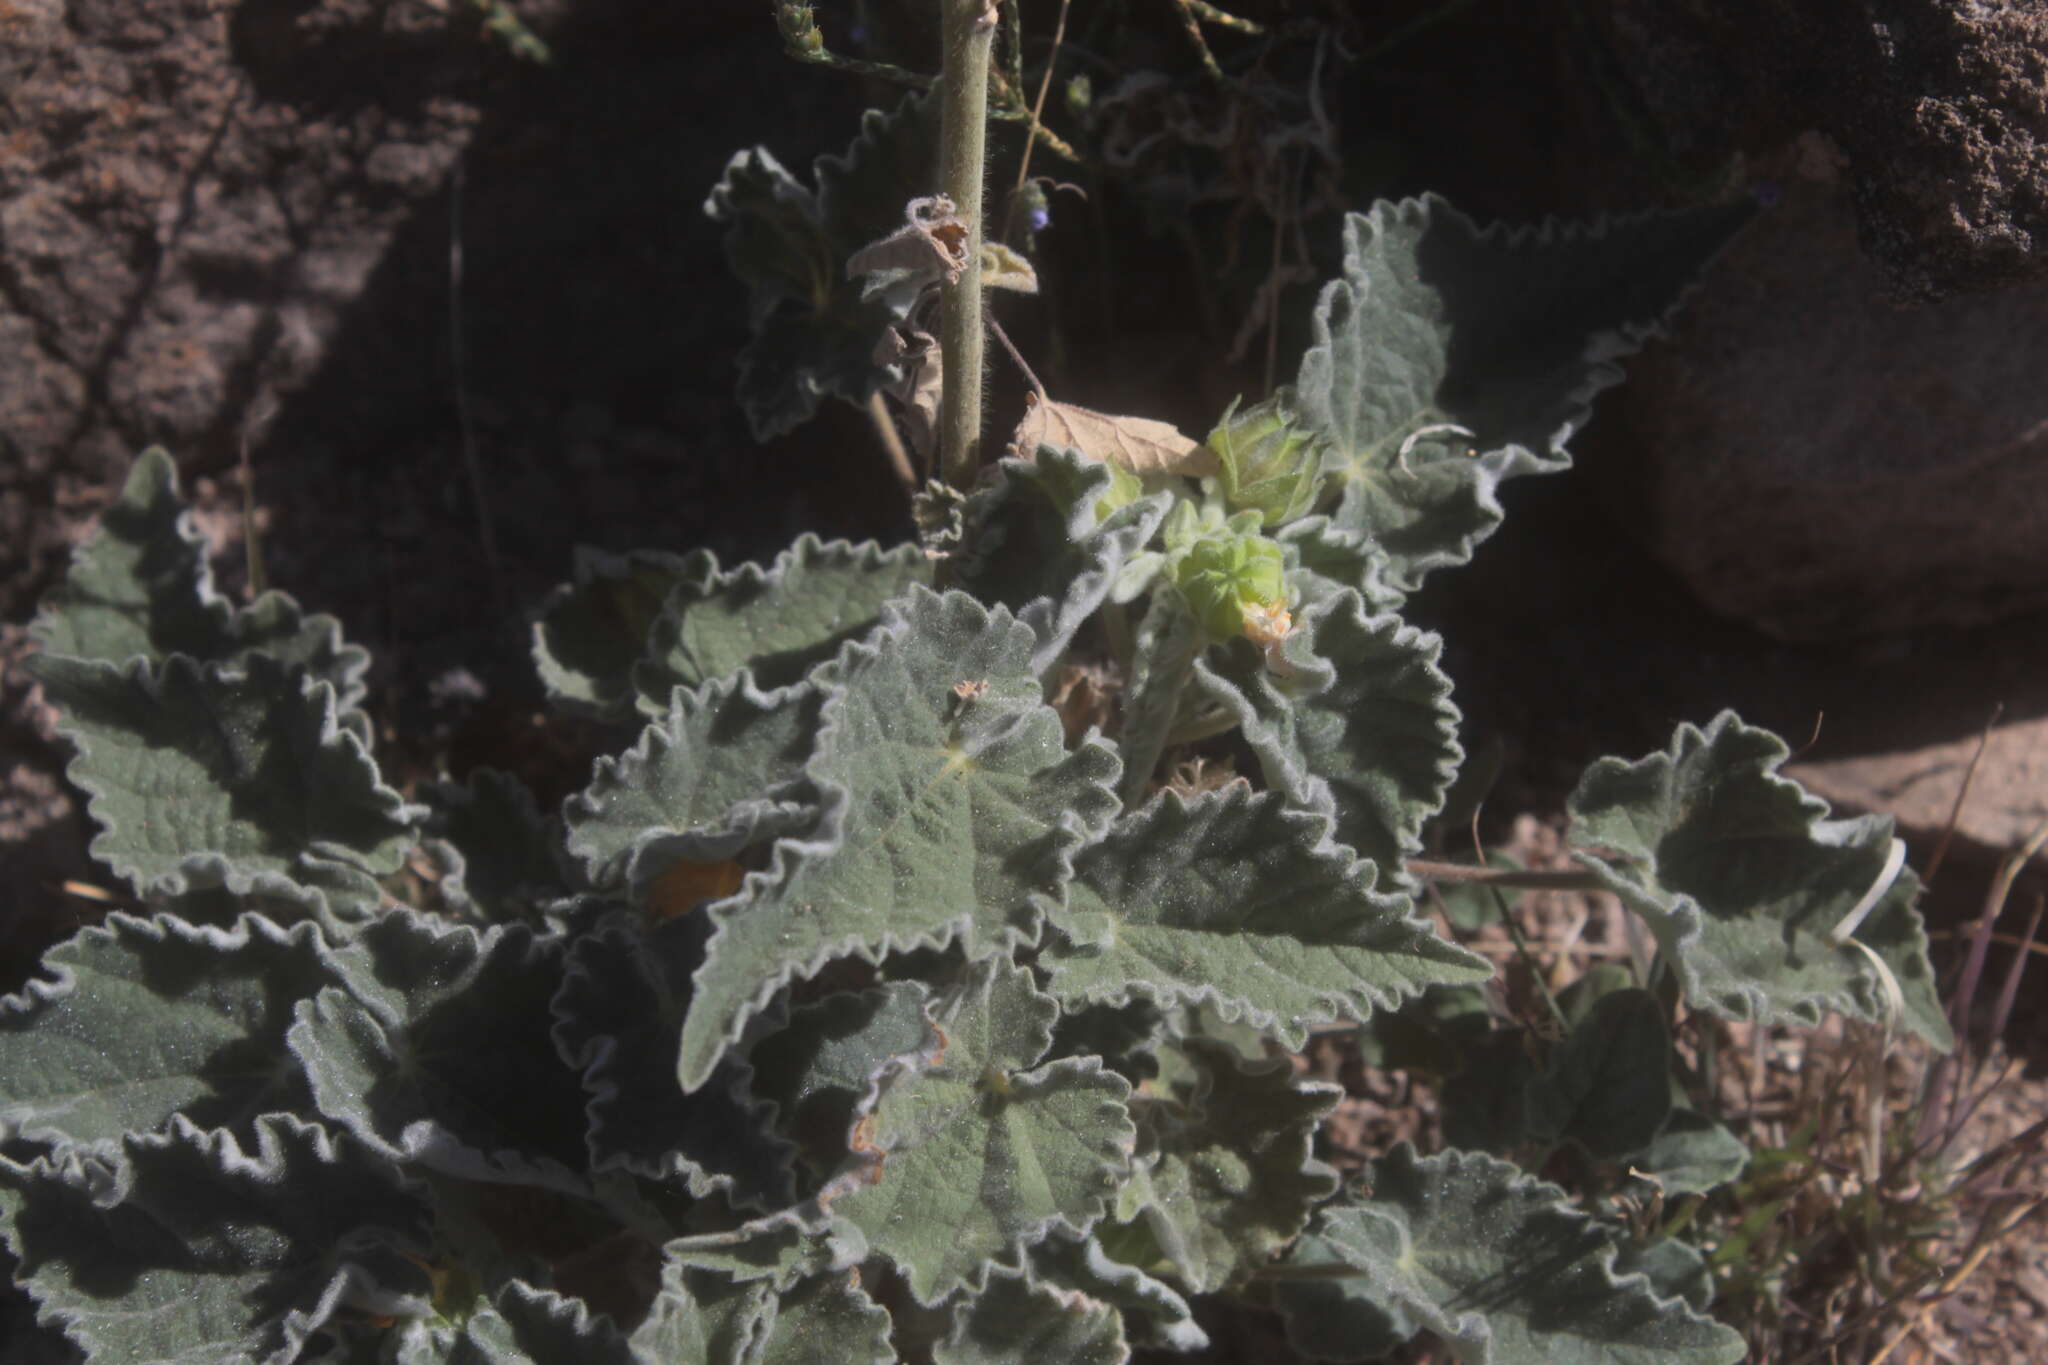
(969, 35)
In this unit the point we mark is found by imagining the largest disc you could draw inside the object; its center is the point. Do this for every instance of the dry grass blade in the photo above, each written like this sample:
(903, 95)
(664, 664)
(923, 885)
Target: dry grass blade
(1139, 444)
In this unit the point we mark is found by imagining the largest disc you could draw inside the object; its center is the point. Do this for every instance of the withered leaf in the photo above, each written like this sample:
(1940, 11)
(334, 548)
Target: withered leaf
(919, 388)
(1002, 268)
(1139, 444)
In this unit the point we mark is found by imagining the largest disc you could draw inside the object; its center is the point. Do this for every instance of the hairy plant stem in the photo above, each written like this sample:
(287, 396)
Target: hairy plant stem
(969, 36)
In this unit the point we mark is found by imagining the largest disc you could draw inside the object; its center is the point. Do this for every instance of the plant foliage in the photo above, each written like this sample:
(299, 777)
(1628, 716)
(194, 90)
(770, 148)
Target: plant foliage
(917, 983)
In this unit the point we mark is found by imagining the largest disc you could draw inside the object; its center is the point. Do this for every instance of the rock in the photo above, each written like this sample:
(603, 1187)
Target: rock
(2008, 798)
(1941, 107)
(1818, 462)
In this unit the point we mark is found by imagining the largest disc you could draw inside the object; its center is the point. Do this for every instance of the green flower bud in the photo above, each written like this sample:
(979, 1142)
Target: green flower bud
(1224, 577)
(1272, 464)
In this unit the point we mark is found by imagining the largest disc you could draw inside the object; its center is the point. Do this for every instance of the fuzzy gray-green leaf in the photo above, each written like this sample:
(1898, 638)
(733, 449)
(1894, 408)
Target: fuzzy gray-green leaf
(1363, 730)
(776, 621)
(1437, 323)
(1608, 1087)
(966, 1155)
(437, 1050)
(593, 630)
(1225, 1178)
(1020, 1320)
(721, 771)
(817, 1067)
(618, 1016)
(239, 777)
(208, 1253)
(1235, 898)
(1496, 1263)
(1041, 545)
(951, 812)
(150, 1018)
(142, 586)
(1743, 878)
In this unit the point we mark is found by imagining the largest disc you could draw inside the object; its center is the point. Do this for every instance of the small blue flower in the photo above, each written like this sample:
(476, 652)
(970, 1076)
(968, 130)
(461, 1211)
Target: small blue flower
(1040, 219)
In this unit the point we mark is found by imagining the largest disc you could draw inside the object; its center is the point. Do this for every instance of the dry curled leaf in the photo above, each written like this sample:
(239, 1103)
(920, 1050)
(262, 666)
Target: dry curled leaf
(1002, 268)
(918, 390)
(930, 246)
(1139, 444)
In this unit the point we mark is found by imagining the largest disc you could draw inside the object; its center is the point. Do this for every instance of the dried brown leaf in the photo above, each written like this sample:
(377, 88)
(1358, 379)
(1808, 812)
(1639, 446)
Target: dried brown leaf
(918, 391)
(1139, 444)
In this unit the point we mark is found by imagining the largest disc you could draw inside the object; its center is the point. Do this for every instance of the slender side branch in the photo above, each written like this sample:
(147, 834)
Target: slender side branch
(969, 35)
(1426, 870)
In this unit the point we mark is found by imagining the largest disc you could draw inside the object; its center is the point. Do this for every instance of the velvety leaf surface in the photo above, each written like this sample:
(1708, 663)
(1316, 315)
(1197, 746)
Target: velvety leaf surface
(701, 1317)
(521, 1325)
(203, 776)
(827, 1320)
(777, 621)
(723, 770)
(1743, 877)
(1608, 1088)
(1496, 1263)
(1364, 731)
(1692, 1154)
(1225, 1178)
(593, 629)
(1168, 640)
(819, 1065)
(1018, 1320)
(1153, 1313)
(781, 1248)
(212, 1255)
(1041, 545)
(150, 1018)
(951, 810)
(437, 1051)
(965, 1155)
(620, 1013)
(1325, 559)
(1437, 323)
(508, 849)
(1236, 898)
(142, 586)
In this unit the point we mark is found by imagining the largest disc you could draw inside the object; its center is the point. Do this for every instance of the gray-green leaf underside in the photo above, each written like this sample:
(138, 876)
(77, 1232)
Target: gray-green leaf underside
(1237, 899)
(1437, 323)
(1363, 730)
(965, 1154)
(1497, 1264)
(207, 1253)
(234, 776)
(142, 586)
(951, 809)
(1743, 878)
